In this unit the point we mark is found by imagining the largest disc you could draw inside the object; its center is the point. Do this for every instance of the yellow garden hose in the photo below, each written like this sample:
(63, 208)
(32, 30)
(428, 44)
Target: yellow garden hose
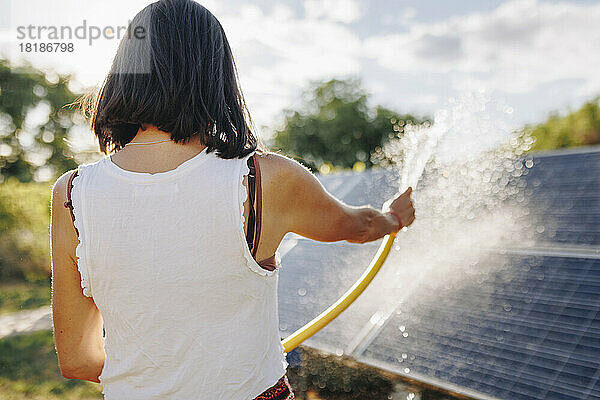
(319, 322)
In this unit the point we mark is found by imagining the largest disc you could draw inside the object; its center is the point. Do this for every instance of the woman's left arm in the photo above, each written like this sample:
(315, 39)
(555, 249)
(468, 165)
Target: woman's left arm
(76, 319)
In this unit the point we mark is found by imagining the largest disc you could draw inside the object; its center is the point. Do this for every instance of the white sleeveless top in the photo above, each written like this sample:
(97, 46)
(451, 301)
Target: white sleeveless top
(188, 313)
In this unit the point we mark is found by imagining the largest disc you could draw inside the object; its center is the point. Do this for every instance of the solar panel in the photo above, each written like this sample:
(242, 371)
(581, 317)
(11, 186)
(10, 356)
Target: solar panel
(513, 314)
(541, 338)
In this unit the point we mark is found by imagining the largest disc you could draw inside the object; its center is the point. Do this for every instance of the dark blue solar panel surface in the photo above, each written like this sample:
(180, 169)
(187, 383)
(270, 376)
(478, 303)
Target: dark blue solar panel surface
(527, 326)
(567, 188)
(535, 335)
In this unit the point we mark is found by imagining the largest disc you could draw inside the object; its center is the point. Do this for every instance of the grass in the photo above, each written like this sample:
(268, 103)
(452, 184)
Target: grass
(21, 295)
(29, 370)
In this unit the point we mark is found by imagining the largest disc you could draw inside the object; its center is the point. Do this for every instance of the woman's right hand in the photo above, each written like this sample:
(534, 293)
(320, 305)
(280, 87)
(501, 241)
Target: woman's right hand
(402, 207)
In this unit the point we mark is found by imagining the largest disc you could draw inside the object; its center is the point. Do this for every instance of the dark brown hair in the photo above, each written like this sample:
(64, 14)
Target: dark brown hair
(174, 69)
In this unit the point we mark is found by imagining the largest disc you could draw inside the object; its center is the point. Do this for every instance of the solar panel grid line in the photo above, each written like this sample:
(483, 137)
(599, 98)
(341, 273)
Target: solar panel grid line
(554, 330)
(559, 371)
(571, 196)
(566, 381)
(514, 328)
(559, 219)
(506, 372)
(565, 237)
(547, 168)
(551, 322)
(507, 319)
(557, 396)
(595, 384)
(589, 211)
(556, 279)
(546, 301)
(479, 316)
(574, 229)
(566, 164)
(556, 172)
(494, 364)
(533, 182)
(466, 337)
(492, 372)
(553, 168)
(551, 177)
(559, 252)
(462, 333)
(505, 345)
(541, 186)
(592, 282)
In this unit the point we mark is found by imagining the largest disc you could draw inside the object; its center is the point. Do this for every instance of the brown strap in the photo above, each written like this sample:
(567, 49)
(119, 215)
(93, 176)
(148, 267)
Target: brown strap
(69, 202)
(251, 194)
(269, 263)
(258, 205)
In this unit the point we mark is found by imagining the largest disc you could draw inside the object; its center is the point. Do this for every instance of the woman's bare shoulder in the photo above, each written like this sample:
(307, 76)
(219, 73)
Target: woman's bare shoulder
(301, 202)
(59, 189)
(279, 166)
(284, 180)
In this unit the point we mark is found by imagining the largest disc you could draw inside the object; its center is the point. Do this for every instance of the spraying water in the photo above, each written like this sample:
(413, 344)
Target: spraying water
(469, 199)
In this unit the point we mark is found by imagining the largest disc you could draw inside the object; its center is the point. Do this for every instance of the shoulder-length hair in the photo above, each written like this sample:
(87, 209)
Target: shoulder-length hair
(174, 69)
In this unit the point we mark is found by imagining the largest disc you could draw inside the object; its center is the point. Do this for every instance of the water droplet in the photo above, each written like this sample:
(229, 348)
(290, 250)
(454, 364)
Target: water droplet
(404, 355)
(540, 276)
(406, 370)
(405, 334)
(302, 292)
(402, 328)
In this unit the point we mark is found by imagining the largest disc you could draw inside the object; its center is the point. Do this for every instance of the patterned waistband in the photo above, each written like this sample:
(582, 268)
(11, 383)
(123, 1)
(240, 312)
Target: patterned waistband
(280, 391)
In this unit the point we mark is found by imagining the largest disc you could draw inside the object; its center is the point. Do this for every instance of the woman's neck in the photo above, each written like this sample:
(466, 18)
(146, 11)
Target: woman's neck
(150, 133)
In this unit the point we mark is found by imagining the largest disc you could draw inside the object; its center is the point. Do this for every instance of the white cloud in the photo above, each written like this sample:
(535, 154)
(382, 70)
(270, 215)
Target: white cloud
(345, 11)
(278, 53)
(517, 46)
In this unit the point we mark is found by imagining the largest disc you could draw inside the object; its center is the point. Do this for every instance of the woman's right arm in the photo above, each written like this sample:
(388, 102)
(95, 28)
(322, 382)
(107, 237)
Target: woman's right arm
(314, 213)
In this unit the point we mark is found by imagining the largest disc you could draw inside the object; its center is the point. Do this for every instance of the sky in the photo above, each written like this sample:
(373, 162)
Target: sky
(411, 55)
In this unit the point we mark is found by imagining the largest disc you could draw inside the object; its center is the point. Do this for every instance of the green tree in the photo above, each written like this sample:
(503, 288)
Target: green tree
(337, 128)
(24, 221)
(577, 128)
(34, 123)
